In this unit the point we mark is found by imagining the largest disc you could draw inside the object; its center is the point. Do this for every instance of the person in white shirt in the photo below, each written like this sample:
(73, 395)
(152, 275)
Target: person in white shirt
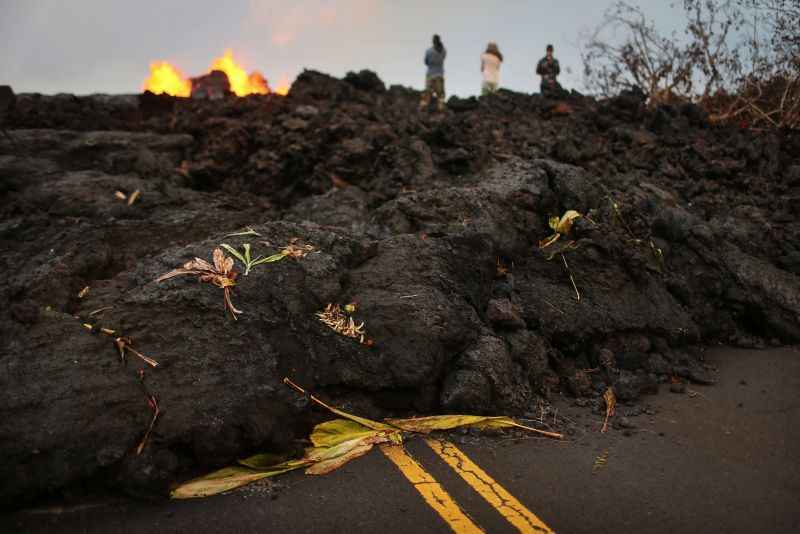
(490, 68)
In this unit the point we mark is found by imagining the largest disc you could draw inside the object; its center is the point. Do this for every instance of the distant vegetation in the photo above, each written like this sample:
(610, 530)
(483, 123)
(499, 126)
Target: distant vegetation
(739, 59)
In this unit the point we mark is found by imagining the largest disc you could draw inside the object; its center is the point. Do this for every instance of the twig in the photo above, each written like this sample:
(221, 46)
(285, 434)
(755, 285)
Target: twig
(300, 390)
(557, 435)
(153, 403)
(247, 231)
(566, 266)
(552, 306)
(124, 343)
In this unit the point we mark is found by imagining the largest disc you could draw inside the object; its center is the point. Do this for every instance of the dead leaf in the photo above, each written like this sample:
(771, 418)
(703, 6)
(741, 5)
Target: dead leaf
(340, 322)
(561, 226)
(223, 480)
(425, 425)
(221, 274)
(296, 251)
(611, 403)
(83, 292)
(335, 443)
(133, 197)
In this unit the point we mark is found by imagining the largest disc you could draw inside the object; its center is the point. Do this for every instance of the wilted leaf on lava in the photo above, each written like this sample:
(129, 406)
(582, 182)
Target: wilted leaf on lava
(338, 320)
(335, 443)
(611, 403)
(560, 226)
(330, 459)
(425, 425)
(222, 263)
(221, 274)
(565, 223)
(133, 197)
(331, 433)
(297, 251)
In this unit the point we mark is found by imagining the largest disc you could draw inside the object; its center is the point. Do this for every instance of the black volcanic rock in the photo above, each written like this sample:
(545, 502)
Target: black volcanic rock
(7, 100)
(429, 222)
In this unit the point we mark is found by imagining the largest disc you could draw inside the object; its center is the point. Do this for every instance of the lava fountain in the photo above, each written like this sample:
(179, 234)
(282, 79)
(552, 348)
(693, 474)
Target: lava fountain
(164, 78)
(167, 79)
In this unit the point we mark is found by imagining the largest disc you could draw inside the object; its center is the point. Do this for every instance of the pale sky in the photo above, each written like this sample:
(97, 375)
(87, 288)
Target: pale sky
(106, 46)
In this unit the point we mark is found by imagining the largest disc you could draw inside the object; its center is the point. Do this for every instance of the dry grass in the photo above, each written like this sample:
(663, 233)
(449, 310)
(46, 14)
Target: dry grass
(340, 322)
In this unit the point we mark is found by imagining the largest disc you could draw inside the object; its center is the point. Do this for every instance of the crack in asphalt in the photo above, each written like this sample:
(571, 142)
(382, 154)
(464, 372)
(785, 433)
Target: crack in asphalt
(448, 449)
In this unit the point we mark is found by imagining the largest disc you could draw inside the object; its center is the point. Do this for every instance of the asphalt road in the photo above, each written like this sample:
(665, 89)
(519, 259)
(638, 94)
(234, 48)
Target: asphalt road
(723, 458)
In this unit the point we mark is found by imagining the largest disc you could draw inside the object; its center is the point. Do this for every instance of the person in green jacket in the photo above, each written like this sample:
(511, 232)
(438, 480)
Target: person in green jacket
(549, 69)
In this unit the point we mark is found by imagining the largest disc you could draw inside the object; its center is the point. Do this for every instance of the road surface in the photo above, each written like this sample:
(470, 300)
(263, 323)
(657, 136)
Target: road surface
(722, 458)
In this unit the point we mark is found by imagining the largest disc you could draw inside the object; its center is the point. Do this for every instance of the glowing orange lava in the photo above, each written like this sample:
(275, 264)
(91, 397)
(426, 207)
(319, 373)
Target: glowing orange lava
(165, 78)
(283, 86)
(241, 83)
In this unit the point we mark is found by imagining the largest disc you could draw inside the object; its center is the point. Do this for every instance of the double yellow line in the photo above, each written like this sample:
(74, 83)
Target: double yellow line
(437, 498)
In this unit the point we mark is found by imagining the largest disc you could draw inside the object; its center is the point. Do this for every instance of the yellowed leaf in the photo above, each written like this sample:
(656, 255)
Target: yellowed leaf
(330, 459)
(220, 481)
(133, 197)
(565, 223)
(611, 404)
(331, 433)
(336, 443)
(323, 467)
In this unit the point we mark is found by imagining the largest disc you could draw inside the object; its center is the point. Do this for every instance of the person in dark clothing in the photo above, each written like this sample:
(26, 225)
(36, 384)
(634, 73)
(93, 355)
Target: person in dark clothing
(548, 68)
(434, 77)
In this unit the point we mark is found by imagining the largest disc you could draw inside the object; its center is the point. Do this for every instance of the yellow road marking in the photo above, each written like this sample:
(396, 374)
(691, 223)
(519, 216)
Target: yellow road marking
(509, 507)
(433, 493)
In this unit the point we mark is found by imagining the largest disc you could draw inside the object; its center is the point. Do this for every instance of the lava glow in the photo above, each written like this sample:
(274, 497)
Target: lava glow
(283, 86)
(241, 83)
(165, 78)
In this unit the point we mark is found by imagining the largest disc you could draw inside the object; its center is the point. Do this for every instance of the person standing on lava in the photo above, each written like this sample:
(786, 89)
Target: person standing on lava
(549, 69)
(434, 78)
(490, 68)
